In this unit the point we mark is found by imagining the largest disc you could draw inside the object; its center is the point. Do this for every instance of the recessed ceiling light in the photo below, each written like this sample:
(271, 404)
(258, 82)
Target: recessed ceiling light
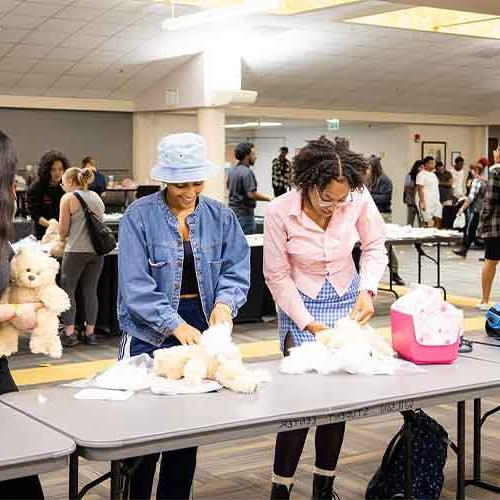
(259, 124)
(452, 22)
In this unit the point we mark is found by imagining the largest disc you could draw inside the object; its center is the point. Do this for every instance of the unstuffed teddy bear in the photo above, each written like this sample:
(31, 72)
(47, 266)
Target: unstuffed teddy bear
(52, 237)
(33, 279)
(216, 357)
(348, 332)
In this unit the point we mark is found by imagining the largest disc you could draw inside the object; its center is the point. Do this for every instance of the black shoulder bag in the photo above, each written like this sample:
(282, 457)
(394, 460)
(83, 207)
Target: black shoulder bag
(101, 236)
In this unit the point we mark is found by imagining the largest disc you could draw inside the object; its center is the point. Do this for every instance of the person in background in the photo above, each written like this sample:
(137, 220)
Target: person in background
(380, 187)
(242, 186)
(489, 230)
(447, 199)
(44, 195)
(458, 173)
(410, 189)
(282, 173)
(80, 262)
(22, 316)
(184, 264)
(472, 205)
(309, 234)
(427, 195)
(99, 183)
(440, 170)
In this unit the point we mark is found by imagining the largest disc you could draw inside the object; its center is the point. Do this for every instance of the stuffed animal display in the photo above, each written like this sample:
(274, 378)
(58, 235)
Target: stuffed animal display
(216, 357)
(33, 279)
(53, 240)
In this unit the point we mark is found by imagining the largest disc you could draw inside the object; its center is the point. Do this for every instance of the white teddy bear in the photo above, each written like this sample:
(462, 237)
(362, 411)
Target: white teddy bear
(33, 279)
(52, 238)
(216, 357)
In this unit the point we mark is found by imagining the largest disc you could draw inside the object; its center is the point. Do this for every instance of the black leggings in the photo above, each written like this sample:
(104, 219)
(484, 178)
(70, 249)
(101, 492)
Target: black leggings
(176, 475)
(24, 487)
(289, 445)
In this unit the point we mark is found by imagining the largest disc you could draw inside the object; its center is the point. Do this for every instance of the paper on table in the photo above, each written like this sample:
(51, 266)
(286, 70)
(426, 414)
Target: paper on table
(104, 394)
(162, 385)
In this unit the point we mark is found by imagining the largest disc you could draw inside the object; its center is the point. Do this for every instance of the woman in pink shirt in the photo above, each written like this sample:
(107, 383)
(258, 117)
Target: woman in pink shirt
(309, 235)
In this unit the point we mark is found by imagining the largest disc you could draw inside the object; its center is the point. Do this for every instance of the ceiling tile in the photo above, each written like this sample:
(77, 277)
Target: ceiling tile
(71, 82)
(60, 92)
(51, 67)
(101, 29)
(84, 69)
(62, 26)
(83, 41)
(22, 22)
(120, 44)
(79, 13)
(8, 78)
(8, 5)
(36, 9)
(102, 56)
(34, 51)
(5, 48)
(45, 37)
(67, 54)
(17, 65)
(12, 35)
(93, 94)
(32, 80)
(29, 91)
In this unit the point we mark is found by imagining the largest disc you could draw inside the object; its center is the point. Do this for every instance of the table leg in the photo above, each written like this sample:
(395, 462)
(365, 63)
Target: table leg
(116, 492)
(461, 450)
(408, 472)
(73, 476)
(477, 440)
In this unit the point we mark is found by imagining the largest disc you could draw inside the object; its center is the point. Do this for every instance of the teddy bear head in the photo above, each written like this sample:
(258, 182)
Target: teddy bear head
(33, 269)
(52, 232)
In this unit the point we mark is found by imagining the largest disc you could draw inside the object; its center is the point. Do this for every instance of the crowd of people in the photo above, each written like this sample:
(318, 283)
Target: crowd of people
(184, 261)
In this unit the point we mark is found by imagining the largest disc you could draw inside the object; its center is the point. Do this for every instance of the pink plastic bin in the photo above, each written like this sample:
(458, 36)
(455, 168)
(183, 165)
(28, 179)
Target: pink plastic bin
(404, 342)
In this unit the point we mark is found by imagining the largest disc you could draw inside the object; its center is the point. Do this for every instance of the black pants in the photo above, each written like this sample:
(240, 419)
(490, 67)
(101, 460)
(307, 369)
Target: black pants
(24, 487)
(473, 218)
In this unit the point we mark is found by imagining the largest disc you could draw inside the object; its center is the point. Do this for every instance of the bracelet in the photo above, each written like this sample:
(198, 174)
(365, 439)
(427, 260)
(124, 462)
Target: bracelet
(15, 307)
(369, 292)
(228, 308)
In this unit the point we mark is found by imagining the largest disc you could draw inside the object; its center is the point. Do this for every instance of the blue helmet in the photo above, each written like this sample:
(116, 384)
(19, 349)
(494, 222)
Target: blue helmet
(493, 321)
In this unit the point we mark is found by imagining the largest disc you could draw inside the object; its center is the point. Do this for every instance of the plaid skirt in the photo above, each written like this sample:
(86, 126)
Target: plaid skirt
(328, 307)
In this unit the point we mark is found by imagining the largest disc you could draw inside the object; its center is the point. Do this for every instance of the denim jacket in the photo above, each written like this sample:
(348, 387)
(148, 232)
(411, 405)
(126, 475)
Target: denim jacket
(151, 257)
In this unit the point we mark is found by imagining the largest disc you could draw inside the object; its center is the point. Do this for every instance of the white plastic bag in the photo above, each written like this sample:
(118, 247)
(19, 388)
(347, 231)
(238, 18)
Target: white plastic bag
(459, 222)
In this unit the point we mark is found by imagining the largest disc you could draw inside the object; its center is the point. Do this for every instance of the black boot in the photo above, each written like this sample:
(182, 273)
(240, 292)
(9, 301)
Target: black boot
(323, 488)
(280, 491)
(396, 278)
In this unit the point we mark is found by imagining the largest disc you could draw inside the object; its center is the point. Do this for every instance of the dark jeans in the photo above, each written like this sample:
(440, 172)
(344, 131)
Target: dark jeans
(24, 487)
(471, 226)
(177, 466)
(247, 223)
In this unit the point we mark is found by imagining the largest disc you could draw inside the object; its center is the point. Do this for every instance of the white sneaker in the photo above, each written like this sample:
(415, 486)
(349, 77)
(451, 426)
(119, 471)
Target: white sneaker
(483, 306)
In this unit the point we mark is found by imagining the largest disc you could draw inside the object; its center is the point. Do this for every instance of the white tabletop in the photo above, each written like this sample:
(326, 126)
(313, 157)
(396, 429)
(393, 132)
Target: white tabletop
(29, 447)
(106, 430)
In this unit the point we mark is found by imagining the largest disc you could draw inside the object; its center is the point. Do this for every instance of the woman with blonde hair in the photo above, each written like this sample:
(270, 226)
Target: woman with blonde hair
(80, 260)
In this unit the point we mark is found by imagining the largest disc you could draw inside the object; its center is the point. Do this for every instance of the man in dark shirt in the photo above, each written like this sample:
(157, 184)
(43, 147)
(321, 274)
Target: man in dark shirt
(99, 183)
(282, 173)
(242, 186)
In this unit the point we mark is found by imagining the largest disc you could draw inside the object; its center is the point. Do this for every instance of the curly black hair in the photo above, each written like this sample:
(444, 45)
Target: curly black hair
(322, 161)
(46, 162)
(242, 150)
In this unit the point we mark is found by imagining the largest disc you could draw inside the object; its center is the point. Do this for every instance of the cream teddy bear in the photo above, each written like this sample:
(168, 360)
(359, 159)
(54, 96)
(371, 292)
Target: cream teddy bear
(216, 357)
(52, 237)
(32, 279)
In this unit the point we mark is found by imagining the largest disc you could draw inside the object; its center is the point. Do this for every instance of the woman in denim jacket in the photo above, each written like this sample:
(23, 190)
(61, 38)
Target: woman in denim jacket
(184, 264)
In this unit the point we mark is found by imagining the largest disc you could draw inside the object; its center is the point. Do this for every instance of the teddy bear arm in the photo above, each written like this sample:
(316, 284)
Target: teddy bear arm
(55, 299)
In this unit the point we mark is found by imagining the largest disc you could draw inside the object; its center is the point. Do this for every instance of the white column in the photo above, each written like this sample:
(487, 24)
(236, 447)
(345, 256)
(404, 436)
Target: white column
(211, 122)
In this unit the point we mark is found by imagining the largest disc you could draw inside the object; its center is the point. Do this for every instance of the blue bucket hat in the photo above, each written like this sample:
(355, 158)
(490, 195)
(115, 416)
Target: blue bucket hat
(183, 158)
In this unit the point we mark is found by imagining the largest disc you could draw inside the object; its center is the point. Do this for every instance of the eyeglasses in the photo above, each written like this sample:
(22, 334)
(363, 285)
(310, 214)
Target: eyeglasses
(334, 204)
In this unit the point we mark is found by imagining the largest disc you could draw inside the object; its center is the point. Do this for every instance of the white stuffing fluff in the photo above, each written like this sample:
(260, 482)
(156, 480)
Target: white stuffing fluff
(348, 347)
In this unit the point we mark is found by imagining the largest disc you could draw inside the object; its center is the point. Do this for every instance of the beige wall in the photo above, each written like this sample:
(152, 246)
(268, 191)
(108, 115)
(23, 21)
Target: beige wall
(149, 129)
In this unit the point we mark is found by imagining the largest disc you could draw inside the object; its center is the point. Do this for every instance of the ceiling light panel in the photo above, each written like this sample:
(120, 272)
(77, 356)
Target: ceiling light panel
(453, 22)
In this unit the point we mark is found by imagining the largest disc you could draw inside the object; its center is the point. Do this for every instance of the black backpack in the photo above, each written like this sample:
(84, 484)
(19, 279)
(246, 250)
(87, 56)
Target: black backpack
(430, 450)
(101, 236)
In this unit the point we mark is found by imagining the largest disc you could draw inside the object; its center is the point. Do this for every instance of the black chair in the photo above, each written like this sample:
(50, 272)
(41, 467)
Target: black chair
(145, 190)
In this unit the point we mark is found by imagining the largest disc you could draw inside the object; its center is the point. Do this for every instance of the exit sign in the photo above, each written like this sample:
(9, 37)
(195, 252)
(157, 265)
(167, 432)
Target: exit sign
(333, 124)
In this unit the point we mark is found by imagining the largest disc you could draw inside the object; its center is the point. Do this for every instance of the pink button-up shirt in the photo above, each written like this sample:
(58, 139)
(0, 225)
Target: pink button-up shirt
(299, 255)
